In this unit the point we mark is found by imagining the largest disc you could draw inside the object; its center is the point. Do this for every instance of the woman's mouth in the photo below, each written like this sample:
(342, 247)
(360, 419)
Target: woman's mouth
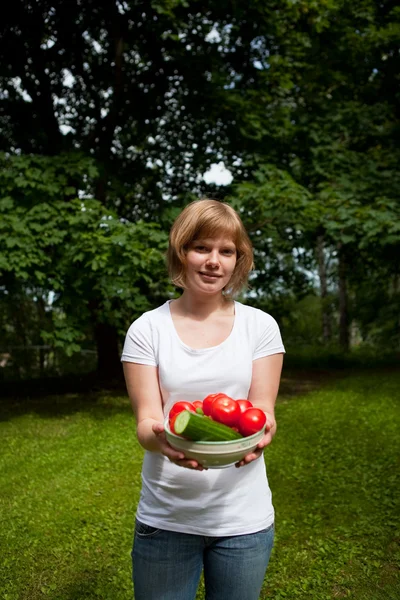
(210, 275)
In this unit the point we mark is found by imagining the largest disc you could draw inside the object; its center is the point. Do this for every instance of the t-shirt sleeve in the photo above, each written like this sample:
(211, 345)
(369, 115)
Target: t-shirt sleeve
(139, 346)
(268, 335)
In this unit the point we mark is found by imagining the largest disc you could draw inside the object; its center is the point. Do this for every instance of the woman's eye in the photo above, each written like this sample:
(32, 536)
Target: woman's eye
(200, 248)
(228, 251)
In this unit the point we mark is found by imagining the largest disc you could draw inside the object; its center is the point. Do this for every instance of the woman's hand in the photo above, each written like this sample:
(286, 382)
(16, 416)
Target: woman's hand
(175, 456)
(270, 430)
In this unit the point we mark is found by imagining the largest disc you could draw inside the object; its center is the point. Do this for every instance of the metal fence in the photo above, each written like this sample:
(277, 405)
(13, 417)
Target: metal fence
(28, 362)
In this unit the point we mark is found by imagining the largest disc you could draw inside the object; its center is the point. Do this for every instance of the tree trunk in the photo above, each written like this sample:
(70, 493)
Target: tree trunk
(344, 337)
(41, 312)
(108, 359)
(326, 322)
(106, 338)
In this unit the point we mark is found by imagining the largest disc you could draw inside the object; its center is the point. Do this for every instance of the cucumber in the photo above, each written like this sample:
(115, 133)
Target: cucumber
(199, 428)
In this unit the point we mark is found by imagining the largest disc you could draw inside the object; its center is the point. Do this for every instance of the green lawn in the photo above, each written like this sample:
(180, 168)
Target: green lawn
(70, 480)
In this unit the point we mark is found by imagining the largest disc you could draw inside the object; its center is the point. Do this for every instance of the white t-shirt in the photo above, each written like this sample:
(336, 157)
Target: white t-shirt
(215, 502)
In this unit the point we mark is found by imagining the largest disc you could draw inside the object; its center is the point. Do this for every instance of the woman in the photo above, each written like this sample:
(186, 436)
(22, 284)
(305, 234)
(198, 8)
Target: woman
(189, 518)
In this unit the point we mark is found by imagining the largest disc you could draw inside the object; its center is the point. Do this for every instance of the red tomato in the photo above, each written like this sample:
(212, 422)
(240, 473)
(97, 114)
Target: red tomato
(172, 423)
(244, 405)
(198, 404)
(179, 407)
(207, 402)
(225, 410)
(251, 421)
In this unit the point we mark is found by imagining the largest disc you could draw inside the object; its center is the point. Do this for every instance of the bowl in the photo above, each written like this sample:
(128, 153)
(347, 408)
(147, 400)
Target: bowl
(214, 455)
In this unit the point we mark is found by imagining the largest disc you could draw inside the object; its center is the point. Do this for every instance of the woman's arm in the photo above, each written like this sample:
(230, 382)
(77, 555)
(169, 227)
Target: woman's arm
(145, 396)
(263, 392)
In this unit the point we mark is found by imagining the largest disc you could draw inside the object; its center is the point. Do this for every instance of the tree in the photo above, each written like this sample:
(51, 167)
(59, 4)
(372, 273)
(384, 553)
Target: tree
(299, 99)
(97, 268)
(149, 91)
(337, 137)
(140, 87)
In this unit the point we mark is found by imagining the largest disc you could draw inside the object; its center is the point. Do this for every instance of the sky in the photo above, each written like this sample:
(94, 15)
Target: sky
(218, 174)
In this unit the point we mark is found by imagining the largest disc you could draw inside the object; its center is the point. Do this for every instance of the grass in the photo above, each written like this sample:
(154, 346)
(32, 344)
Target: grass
(335, 474)
(70, 482)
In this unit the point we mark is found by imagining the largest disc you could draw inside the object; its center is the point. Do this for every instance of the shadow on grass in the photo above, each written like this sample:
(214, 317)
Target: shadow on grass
(85, 589)
(79, 384)
(296, 382)
(301, 381)
(63, 396)
(88, 584)
(57, 397)
(100, 406)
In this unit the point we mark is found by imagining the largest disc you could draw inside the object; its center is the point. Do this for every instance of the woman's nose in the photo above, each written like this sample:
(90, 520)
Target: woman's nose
(213, 259)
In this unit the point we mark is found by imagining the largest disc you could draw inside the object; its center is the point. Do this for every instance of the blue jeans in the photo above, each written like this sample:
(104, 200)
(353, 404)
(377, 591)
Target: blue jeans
(168, 565)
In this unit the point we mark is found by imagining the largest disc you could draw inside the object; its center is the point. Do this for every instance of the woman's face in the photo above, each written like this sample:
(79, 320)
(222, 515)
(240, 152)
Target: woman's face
(210, 264)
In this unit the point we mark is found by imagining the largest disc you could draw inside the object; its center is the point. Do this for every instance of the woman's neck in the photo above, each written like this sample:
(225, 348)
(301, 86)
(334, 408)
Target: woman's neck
(190, 305)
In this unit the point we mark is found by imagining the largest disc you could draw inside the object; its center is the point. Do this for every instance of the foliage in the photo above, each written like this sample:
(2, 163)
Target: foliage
(331, 125)
(274, 208)
(70, 481)
(125, 105)
(75, 256)
(153, 115)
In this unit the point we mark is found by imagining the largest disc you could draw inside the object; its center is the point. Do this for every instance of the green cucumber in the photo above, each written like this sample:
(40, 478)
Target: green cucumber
(198, 428)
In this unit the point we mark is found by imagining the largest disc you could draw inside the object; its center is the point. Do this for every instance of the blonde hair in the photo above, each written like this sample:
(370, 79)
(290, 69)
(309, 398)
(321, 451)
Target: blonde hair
(207, 219)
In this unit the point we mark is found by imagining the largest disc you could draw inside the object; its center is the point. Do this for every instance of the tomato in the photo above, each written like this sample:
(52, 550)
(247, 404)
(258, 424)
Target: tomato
(172, 423)
(198, 404)
(179, 407)
(244, 405)
(251, 421)
(225, 410)
(207, 402)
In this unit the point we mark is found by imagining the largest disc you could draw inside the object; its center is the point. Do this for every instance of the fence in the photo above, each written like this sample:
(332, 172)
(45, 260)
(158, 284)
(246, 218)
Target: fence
(29, 362)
